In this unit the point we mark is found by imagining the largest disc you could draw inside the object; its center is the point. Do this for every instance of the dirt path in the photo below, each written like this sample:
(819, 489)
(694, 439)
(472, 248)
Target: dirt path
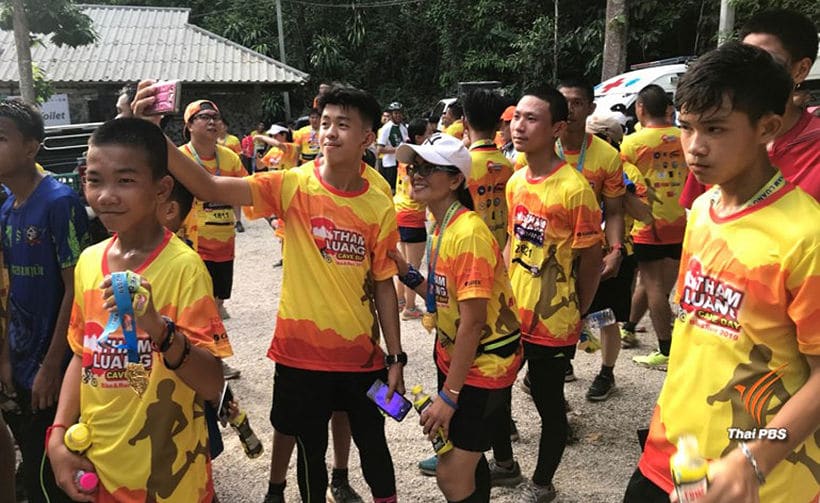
(595, 469)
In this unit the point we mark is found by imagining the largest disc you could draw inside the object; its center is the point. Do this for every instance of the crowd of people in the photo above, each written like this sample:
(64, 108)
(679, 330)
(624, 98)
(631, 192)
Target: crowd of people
(515, 227)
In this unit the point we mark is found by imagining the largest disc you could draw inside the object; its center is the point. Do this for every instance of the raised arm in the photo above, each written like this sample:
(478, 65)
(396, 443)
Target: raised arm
(203, 185)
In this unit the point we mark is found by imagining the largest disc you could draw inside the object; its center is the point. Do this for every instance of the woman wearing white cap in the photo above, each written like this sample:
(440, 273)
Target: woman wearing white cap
(470, 305)
(282, 155)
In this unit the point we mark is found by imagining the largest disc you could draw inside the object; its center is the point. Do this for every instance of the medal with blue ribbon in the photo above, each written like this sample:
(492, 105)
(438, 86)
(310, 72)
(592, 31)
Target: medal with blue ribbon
(132, 300)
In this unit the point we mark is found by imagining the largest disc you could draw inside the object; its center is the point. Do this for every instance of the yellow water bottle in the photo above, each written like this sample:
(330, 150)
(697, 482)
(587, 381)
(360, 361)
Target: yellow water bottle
(420, 402)
(78, 438)
(689, 470)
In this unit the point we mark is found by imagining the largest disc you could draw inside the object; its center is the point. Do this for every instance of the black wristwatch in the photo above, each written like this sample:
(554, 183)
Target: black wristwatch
(393, 359)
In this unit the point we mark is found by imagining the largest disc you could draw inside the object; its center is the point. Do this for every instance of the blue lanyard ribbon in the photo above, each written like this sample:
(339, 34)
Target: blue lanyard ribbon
(123, 284)
(559, 149)
(430, 299)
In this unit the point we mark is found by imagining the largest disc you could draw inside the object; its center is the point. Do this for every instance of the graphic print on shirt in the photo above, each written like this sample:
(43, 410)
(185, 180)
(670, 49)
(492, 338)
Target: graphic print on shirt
(343, 246)
(714, 303)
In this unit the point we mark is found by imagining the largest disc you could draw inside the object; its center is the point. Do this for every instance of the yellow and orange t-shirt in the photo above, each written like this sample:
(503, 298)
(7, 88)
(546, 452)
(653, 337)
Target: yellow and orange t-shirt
(550, 217)
(488, 178)
(409, 213)
(747, 288)
(231, 142)
(455, 129)
(285, 156)
(307, 139)
(337, 244)
(153, 448)
(213, 223)
(469, 266)
(658, 155)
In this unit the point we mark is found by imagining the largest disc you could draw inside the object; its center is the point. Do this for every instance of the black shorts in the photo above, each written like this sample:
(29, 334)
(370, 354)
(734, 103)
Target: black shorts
(640, 489)
(477, 408)
(304, 397)
(390, 173)
(648, 253)
(412, 234)
(616, 293)
(222, 277)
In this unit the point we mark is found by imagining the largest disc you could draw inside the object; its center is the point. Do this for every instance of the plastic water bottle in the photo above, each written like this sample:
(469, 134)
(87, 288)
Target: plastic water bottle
(250, 443)
(689, 470)
(86, 482)
(420, 402)
(78, 438)
(600, 319)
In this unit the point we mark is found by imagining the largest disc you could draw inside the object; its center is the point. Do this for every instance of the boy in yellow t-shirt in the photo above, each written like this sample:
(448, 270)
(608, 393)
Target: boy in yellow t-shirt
(337, 292)
(154, 445)
(307, 138)
(744, 372)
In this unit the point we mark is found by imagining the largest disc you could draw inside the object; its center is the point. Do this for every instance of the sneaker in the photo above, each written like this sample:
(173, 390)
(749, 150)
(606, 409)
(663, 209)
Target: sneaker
(588, 342)
(229, 372)
(525, 384)
(342, 494)
(223, 313)
(654, 360)
(569, 375)
(602, 387)
(428, 466)
(532, 493)
(628, 339)
(278, 264)
(274, 498)
(505, 477)
(412, 313)
(239, 227)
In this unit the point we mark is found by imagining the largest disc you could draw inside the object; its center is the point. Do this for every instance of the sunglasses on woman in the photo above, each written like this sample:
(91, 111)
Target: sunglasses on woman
(424, 169)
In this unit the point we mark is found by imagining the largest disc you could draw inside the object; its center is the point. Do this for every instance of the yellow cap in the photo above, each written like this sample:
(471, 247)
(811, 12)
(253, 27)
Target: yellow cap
(78, 437)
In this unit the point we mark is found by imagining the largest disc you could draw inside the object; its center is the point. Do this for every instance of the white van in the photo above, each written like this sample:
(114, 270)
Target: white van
(618, 94)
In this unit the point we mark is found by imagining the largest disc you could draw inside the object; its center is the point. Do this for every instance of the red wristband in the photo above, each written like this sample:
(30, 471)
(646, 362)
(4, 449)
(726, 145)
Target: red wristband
(50, 429)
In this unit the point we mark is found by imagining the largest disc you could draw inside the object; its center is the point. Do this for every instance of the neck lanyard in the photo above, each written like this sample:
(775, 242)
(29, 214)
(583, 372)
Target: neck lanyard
(433, 258)
(775, 183)
(192, 150)
(559, 149)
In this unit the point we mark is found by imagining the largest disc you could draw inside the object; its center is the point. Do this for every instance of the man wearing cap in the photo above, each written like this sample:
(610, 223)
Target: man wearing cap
(507, 147)
(282, 154)
(391, 135)
(213, 223)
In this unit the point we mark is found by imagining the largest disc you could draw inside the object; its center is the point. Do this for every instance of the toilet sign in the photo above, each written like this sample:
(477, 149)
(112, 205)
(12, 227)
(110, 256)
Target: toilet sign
(55, 110)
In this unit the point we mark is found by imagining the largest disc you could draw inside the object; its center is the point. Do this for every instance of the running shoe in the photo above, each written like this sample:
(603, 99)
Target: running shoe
(505, 477)
(588, 342)
(533, 493)
(569, 375)
(223, 313)
(601, 389)
(342, 494)
(628, 339)
(428, 466)
(229, 372)
(274, 498)
(239, 227)
(412, 313)
(654, 360)
(278, 264)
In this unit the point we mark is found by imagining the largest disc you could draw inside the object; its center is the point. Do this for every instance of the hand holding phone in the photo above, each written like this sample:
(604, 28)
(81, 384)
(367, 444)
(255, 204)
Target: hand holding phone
(397, 407)
(167, 96)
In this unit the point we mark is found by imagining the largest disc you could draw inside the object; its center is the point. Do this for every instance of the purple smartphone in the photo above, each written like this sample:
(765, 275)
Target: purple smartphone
(397, 408)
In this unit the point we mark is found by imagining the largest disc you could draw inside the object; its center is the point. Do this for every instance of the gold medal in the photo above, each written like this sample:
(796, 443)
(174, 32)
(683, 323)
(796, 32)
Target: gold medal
(428, 321)
(137, 377)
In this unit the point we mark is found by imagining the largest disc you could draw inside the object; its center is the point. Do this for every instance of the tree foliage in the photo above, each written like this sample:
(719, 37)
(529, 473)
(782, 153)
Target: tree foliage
(61, 19)
(418, 51)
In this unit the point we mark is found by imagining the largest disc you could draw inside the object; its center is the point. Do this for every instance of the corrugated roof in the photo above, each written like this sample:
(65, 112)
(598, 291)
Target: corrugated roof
(142, 42)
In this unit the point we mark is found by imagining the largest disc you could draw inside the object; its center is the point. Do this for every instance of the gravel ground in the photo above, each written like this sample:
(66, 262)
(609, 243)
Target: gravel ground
(595, 469)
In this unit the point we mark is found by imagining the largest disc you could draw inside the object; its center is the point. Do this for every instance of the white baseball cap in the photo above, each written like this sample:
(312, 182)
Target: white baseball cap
(440, 149)
(276, 129)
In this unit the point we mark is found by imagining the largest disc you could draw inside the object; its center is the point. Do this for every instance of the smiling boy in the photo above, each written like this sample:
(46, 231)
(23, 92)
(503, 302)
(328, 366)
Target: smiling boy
(746, 350)
(337, 289)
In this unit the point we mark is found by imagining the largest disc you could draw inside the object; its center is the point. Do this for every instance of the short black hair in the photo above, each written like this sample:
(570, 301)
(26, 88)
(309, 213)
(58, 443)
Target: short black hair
(483, 109)
(417, 127)
(574, 82)
(748, 76)
(27, 119)
(129, 90)
(183, 197)
(351, 97)
(559, 110)
(796, 32)
(138, 134)
(654, 100)
(456, 109)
